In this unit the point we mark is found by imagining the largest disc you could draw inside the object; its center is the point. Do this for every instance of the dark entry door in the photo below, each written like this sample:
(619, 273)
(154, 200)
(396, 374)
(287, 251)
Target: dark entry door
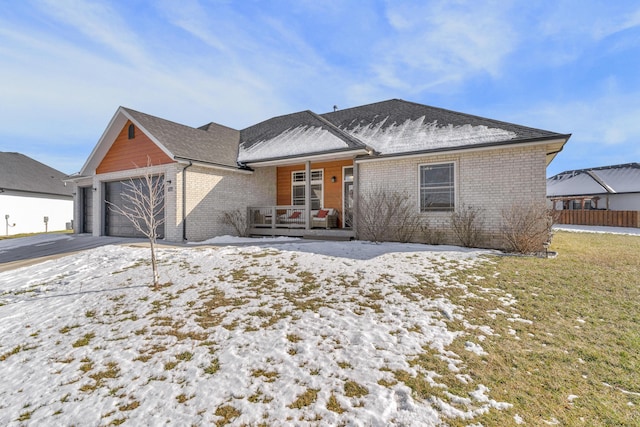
(87, 210)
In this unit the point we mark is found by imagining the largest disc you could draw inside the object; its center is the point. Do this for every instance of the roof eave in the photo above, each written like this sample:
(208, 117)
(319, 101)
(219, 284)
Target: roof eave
(297, 158)
(203, 163)
(559, 139)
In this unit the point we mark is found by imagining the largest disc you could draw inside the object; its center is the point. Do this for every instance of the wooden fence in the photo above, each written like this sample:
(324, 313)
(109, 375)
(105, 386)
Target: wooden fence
(599, 217)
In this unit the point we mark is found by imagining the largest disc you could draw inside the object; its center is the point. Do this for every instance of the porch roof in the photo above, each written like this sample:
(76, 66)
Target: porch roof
(294, 135)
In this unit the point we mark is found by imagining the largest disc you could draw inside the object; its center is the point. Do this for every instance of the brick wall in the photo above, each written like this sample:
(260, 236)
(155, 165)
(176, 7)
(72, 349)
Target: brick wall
(211, 192)
(490, 180)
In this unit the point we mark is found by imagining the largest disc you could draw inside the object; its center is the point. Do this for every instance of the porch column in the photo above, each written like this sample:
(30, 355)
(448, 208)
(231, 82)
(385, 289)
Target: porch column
(356, 197)
(307, 194)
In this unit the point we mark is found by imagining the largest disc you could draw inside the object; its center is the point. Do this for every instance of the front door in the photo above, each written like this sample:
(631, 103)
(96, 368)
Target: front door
(347, 197)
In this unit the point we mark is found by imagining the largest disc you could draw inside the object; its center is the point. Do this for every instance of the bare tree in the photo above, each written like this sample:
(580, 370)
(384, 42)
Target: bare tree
(143, 206)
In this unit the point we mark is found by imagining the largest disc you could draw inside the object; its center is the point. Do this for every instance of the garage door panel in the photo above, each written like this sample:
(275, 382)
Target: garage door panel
(117, 224)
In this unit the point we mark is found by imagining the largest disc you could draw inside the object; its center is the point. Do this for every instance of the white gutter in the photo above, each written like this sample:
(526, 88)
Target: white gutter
(183, 161)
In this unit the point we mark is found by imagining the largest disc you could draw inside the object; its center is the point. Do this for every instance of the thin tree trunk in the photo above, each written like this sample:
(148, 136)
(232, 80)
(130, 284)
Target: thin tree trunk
(154, 264)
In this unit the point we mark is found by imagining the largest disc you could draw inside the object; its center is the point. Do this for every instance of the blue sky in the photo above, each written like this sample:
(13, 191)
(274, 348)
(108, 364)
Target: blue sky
(566, 66)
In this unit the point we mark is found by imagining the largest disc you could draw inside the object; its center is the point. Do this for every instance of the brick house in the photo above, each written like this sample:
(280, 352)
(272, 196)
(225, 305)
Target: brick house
(302, 174)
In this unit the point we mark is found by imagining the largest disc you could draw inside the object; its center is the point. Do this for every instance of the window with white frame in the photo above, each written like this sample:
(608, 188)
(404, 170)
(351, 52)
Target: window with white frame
(437, 187)
(298, 188)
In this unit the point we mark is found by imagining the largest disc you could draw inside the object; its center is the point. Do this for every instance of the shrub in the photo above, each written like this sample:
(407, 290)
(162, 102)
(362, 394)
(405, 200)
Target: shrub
(467, 223)
(237, 220)
(386, 215)
(431, 235)
(527, 228)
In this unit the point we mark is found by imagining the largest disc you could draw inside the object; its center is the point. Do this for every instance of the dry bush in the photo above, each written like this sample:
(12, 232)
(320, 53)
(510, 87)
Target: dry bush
(467, 223)
(237, 220)
(527, 228)
(384, 215)
(431, 235)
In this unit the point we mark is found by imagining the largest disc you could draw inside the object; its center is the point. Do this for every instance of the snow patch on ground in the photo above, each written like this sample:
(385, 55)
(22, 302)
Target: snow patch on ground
(271, 334)
(597, 229)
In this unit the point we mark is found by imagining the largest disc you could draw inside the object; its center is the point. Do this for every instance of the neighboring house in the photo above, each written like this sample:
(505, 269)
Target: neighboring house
(33, 196)
(302, 173)
(615, 188)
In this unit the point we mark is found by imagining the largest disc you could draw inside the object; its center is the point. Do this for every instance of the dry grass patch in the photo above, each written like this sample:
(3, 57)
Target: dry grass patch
(305, 399)
(333, 405)
(566, 346)
(227, 414)
(353, 389)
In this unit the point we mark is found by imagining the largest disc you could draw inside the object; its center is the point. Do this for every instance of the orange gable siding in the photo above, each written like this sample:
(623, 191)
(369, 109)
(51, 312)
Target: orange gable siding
(128, 153)
(332, 190)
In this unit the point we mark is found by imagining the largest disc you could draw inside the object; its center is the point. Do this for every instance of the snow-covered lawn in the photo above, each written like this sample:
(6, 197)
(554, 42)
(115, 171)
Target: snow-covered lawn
(292, 333)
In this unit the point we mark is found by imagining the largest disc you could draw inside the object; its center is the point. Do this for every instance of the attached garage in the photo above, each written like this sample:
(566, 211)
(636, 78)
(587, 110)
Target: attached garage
(117, 224)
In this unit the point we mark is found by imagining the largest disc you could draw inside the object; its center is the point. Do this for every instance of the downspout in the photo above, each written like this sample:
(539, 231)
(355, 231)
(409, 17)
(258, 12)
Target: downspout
(184, 200)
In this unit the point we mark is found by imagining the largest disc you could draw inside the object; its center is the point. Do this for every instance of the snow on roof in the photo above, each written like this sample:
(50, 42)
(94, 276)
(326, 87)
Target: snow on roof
(573, 184)
(388, 127)
(300, 140)
(420, 135)
(622, 179)
(606, 179)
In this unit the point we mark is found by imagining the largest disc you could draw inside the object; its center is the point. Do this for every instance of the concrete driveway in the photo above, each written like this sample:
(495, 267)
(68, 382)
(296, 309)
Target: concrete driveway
(24, 251)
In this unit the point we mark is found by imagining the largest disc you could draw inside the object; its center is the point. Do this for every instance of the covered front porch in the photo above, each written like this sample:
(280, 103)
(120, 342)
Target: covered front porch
(313, 199)
(296, 221)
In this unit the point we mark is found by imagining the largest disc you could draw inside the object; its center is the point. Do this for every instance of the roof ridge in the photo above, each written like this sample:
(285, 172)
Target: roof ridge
(635, 165)
(340, 133)
(131, 110)
(599, 180)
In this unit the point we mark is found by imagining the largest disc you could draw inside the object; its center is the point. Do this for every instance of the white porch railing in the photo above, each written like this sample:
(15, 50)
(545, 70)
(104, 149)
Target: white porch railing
(278, 217)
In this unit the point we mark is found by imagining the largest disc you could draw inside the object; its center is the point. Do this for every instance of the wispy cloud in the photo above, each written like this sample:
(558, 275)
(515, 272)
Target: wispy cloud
(100, 23)
(443, 43)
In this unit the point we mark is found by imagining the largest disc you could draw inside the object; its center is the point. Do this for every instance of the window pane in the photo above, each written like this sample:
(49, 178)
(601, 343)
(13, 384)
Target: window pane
(437, 175)
(437, 187)
(316, 175)
(297, 197)
(348, 174)
(298, 177)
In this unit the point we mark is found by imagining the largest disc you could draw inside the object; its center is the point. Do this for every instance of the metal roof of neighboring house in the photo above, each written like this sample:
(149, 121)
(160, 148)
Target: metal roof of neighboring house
(390, 127)
(211, 143)
(24, 174)
(614, 179)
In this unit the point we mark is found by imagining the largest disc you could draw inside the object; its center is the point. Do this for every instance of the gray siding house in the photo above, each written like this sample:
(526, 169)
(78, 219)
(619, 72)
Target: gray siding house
(33, 196)
(615, 188)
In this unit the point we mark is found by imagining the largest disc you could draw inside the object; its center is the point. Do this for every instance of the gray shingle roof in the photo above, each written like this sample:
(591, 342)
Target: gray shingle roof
(301, 133)
(614, 179)
(211, 143)
(21, 173)
(398, 126)
(390, 127)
